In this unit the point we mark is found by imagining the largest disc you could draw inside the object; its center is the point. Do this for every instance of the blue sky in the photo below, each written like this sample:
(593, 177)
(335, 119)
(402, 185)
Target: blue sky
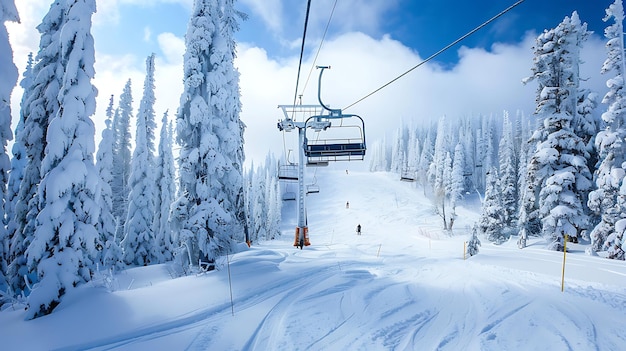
(369, 42)
(423, 25)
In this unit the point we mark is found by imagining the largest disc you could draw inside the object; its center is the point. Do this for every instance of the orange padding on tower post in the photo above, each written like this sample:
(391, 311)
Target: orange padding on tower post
(305, 232)
(306, 236)
(297, 241)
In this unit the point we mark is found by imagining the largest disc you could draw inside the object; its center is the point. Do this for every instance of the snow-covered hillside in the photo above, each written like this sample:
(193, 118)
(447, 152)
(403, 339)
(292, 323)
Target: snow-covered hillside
(401, 285)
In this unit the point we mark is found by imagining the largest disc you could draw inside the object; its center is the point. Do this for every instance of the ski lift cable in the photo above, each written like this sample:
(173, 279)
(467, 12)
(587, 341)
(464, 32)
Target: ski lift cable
(438, 53)
(330, 18)
(306, 22)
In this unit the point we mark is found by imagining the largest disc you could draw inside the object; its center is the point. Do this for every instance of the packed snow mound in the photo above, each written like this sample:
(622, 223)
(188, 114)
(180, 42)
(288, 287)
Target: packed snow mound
(402, 284)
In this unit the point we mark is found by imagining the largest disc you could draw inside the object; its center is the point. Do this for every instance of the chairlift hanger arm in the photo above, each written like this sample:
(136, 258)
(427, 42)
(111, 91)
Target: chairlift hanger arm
(334, 113)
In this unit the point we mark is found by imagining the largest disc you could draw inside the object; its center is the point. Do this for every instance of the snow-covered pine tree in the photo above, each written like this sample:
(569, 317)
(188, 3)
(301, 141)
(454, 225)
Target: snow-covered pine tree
(232, 135)
(39, 104)
(586, 125)
(146, 106)
(466, 137)
(248, 193)
(413, 153)
(473, 243)
(377, 156)
(259, 204)
(166, 191)
(610, 142)
(490, 142)
(425, 159)
(210, 211)
(121, 158)
(437, 169)
(491, 221)
(560, 178)
(18, 161)
(528, 190)
(9, 74)
(106, 224)
(273, 200)
(508, 172)
(479, 157)
(616, 242)
(64, 246)
(456, 182)
(139, 239)
(447, 187)
(398, 156)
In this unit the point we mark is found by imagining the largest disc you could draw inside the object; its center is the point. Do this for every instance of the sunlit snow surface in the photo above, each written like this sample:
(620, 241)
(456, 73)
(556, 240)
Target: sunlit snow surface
(401, 285)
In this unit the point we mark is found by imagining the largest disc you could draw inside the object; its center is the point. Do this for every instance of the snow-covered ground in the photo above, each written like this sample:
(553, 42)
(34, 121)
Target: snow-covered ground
(401, 285)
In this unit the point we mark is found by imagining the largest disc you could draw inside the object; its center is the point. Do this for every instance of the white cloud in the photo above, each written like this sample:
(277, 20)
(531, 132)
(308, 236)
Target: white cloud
(483, 83)
(351, 15)
(271, 11)
(147, 34)
(173, 47)
(108, 11)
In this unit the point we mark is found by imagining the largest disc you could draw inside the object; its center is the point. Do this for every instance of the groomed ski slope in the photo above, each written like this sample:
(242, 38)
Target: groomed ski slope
(402, 285)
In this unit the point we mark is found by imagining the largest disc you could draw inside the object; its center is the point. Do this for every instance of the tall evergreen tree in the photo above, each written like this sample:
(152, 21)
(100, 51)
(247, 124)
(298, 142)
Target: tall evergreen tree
(39, 104)
(491, 221)
(9, 74)
(122, 158)
(63, 248)
(18, 164)
(508, 172)
(274, 203)
(104, 164)
(467, 139)
(232, 138)
(398, 156)
(210, 210)
(139, 239)
(604, 201)
(425, 160)
(165, 192)
(259, 204)
(456, 182)
(436, 171)
(146, 107)
(558, 178)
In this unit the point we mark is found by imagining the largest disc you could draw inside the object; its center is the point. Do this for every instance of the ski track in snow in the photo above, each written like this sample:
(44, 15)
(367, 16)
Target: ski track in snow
(399, 286)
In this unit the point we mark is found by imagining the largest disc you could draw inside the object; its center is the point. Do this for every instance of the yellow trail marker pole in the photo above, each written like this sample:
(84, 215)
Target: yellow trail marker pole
(563, 271)
(464, 249)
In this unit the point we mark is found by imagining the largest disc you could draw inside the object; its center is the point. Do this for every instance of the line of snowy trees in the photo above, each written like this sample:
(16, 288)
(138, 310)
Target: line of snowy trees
(264, 201)
(558, 174)
(67, 216)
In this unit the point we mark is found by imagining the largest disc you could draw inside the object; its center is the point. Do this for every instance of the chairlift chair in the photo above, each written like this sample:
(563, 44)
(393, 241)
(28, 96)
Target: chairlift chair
(288, 172)
(408, 175)
(312, 189)
(288, 193)
(289, 196)
(344, 140)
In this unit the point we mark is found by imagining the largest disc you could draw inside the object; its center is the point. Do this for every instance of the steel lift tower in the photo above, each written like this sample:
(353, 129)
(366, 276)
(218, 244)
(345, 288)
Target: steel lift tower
(316, 152)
